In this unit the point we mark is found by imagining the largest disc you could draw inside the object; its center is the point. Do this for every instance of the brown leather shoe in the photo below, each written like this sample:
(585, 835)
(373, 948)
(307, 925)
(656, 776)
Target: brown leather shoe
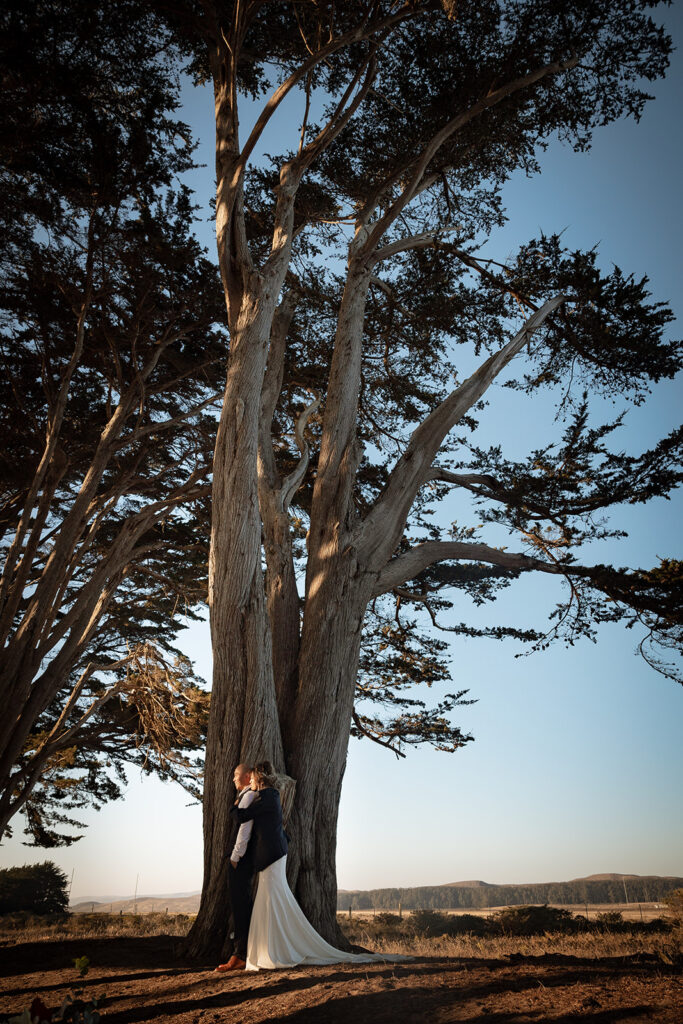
(233, 964)
(222, 968)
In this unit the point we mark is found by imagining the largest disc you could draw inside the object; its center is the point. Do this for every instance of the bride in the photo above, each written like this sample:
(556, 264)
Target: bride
(279, 933)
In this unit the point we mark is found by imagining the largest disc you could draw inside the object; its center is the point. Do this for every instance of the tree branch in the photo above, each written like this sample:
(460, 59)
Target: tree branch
(381, 530)
(420, 241)
(414, 561)
(293, 481)
(375, 739)
(450, 128)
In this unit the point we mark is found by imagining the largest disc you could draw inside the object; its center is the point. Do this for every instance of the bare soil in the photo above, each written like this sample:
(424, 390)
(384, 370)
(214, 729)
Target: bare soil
(145, 980)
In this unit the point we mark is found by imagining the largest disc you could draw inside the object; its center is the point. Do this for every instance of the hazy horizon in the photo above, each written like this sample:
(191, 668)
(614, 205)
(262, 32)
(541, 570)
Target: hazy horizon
(116, 897)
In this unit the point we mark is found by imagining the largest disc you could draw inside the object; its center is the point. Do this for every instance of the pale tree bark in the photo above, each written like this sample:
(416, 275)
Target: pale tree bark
(244, 724)
(337, 591)
(280, 582)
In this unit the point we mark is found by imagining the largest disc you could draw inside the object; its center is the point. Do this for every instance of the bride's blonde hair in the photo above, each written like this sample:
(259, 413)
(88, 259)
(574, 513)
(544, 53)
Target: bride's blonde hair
(265, 775)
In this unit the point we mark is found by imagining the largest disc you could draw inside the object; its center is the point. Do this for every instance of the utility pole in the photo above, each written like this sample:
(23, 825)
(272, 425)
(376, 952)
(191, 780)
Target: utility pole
(135, 898)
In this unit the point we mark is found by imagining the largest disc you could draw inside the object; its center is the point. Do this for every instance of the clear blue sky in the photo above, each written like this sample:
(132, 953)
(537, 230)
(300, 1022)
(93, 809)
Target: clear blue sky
(578, 762)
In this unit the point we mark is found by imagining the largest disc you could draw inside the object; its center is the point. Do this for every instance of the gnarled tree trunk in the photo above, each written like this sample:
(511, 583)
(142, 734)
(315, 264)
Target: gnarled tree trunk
(319, 736)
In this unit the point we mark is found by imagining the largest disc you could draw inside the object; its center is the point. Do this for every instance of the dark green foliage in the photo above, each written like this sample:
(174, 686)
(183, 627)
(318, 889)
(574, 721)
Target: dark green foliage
(510, 922)
(98, 237)
(39, 888)
(157, 724)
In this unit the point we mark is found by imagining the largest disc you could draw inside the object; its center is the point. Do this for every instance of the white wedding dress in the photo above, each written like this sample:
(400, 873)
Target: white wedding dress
(280, 935)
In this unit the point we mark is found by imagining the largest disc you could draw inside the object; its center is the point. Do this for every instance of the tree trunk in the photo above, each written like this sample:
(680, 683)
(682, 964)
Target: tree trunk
(243, 727)
(243, 723)
(318, 741)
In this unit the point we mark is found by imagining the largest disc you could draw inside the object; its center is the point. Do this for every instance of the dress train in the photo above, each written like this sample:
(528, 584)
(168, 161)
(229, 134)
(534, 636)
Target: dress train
(281, 936)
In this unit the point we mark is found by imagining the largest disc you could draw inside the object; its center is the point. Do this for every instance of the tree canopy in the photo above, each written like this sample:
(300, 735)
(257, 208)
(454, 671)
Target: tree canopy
(39, 888)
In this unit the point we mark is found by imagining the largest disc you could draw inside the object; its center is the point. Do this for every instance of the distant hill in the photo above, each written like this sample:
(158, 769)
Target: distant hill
(606, 878)
(182, 903)
(472, 895)
(467, 885)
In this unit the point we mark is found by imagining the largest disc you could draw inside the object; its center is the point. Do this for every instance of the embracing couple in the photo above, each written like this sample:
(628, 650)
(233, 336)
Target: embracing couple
(273, 932)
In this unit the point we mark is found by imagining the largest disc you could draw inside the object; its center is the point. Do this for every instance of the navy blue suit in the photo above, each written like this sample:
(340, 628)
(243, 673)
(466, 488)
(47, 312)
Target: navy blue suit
(268, 841)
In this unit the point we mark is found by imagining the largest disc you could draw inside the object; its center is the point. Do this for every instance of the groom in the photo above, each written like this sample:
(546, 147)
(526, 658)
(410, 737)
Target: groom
(241, 874)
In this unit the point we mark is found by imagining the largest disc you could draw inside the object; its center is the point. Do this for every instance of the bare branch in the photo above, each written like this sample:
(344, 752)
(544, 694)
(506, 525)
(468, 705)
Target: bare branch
(382, 528)
(389, 291)
(293, 481)
(365, 30)
(156, 428)
(420, 241)
(14, 575)
(414, 561)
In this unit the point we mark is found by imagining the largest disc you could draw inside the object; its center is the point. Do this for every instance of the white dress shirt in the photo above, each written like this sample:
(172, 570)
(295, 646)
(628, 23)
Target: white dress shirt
(247, 796)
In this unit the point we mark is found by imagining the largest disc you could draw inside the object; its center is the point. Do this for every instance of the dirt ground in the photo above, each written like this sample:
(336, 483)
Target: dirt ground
(144, 980)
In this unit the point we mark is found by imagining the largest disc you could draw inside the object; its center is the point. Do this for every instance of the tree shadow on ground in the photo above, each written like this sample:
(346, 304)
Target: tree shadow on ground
(418, 1006)
(398, 1001)
(153, 951)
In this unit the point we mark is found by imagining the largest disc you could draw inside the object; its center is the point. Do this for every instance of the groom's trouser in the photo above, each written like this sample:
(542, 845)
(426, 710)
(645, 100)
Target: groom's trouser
(240, 881)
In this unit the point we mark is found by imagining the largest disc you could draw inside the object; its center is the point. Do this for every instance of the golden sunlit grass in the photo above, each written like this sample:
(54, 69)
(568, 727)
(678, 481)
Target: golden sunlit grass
(15, 928)
(620, 940)
(592, 945)
(521, 931)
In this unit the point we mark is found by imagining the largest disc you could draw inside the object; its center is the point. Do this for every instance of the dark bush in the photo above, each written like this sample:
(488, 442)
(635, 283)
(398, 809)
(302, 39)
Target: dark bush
(611, 917)
(389, 920)
(468, 924)
(40, 888)
(428, 923)
(534, 920)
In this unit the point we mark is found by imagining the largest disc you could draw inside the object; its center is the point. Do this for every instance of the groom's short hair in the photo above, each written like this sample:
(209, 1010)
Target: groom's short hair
(244, 768)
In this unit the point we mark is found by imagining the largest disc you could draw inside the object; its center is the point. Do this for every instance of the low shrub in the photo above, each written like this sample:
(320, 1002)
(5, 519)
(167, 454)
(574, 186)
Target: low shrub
(430, 923)
(611, 918)
(534, 920)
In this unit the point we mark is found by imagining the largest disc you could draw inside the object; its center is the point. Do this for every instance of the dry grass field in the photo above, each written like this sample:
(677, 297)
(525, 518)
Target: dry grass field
(624, 972)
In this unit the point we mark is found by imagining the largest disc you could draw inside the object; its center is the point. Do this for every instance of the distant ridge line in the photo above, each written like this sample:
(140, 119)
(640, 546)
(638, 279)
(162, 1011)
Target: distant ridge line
(478, 883)
(473, 894)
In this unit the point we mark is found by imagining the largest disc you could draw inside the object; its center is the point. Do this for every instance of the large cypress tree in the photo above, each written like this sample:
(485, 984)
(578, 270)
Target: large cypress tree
(353, 275)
